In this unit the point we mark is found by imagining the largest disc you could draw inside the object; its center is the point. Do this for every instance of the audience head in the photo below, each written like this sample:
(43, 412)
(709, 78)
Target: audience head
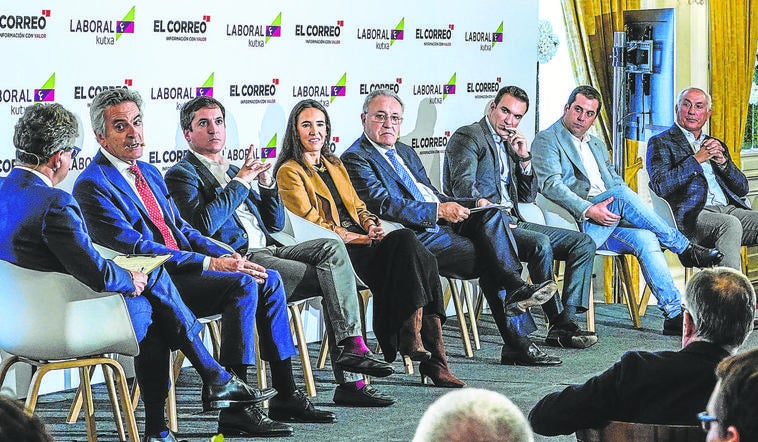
(45, 135)
(733, 406)
(382, 116)
(309, 130)
(507, 109)
(719, 305)
(693, 109)
(473, 414)
(116, 117)
(17, 426)
(203, 121)
(581, 110)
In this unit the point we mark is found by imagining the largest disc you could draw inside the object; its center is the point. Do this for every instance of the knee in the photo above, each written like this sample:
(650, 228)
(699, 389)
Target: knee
(731, 226)
(584, 246)
(647, 242)
(542, 247)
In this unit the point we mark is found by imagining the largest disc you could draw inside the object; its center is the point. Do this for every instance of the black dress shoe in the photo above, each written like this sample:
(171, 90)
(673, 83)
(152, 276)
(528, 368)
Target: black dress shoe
(168, 438)
(570, 336)
(532, 356)
(250, 421)
(367, 396)
(364, 364)
(673, 326)
(698, 256)
(233, 392)
(529, 295)
(298, 408)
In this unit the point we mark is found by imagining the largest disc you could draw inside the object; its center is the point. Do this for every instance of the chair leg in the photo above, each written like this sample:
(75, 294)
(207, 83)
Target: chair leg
(302, 347)
(214, 327)
(171, 414)
(454, 294)
(408, 363)
(642, 306)
(76, 404)
(591, 308)
(120, 380)
(134, 395)
(631, 302)
(260, 367)
(114, 401)
(472, 314)
(88, 405)
(323, 351)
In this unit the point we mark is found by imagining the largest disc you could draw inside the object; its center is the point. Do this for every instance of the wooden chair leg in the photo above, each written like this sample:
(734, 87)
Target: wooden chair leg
(408, 363)
(591, 308)
(113, 397)
(323, 351)
(472, 315)
(134, 395)
(171, 415)
(455, 296)
(88, 406)
(260, 367)
(302, 346)
(214, 327)
(631, 302)
(120, 380)
(76, 404)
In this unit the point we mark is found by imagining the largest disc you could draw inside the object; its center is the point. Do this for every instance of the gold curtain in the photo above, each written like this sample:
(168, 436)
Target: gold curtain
(734, 37)
(590, 25)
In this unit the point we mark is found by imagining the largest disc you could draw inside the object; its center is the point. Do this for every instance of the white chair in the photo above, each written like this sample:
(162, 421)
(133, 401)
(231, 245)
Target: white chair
(557, 216)
(54, 322)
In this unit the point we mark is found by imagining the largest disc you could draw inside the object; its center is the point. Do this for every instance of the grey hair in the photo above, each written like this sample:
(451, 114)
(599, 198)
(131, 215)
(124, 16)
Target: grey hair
(680, 98)
(473, 414)
(721, 302)
(106, 99)
(43, 130)
(381, 92)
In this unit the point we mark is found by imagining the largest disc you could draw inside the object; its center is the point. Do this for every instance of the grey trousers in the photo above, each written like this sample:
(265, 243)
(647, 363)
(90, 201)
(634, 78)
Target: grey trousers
(320, 267)
(727, 228)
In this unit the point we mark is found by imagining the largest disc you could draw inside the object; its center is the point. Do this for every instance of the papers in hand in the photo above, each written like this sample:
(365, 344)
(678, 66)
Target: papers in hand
(490, 206)
(141, 263)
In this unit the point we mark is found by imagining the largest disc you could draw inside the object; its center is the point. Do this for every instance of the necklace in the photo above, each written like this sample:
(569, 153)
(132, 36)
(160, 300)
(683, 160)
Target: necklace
(319, 168)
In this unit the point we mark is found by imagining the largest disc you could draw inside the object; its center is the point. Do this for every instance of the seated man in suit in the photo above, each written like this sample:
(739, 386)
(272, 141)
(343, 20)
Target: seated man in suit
(695, 174)
(42, 229)
(217, 199)
(127, 208)
(730, 414)
(665, 387)
(491, 159)
(575, 173)
(390, 179)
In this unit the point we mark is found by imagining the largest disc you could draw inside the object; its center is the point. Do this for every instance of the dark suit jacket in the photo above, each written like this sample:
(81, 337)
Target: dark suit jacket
(665, 387)
(677, 177)
(210, 207)
(117, 219)
(472, 168)
(42, 229)
(380, 187)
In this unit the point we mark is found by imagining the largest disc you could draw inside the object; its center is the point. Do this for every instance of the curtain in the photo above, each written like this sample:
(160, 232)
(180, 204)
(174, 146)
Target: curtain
(590, 25)
(734, 37)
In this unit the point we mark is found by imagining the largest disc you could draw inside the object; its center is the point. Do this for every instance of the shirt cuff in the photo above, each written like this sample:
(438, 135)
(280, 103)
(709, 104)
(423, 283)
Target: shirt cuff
(526, 170)
(244, 183)
(206, 263)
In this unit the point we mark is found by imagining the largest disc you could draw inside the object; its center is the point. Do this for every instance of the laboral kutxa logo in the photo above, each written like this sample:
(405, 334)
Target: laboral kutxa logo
(24, 26)
(384, 37)
(485, 40)
(325, 94)
(256, 35)
(182, 92)
(19, 98)
(46, 92)
(435, 92)
(182, 30)
(107, 32)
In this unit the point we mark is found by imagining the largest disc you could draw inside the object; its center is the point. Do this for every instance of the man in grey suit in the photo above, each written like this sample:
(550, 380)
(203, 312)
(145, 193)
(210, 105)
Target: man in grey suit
(575, 172)
(491, 159)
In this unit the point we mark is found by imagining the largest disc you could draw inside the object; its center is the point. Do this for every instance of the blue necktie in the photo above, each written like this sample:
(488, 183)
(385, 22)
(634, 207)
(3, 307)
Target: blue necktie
(408, 181)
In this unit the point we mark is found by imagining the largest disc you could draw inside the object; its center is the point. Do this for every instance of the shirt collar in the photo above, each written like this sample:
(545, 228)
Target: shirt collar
(494, 134)
(690, 136)
(119, 164)
(585, 138)
(378, 147)
(38, 173)
(209, 163)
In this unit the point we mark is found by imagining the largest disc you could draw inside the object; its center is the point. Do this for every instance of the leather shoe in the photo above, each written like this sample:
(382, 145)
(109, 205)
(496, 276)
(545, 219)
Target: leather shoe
(233, 392)
(364, 364)
(367, 396)
(529, 295)
(698, 256)
(564, 337)
(673, 326)
(250, 421)
(169, 438)
(532, 356)
(298, 408)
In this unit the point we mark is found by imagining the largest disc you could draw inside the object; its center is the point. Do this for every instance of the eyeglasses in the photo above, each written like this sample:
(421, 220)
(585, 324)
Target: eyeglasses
(706, 420)
(381, 118)
(74, 151)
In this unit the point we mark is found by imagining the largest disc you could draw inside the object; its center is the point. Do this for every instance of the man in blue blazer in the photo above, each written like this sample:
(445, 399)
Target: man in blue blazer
(491, 159)
(42, 229)
(217, 198)
(127, 208)
(390, 179)
(662, 387)
(575, 173)
(705, 189)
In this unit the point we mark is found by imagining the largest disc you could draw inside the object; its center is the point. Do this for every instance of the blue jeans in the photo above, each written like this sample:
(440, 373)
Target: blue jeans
(642, 234)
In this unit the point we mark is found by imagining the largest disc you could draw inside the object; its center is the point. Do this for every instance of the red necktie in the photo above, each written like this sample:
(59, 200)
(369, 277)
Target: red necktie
(152, 207)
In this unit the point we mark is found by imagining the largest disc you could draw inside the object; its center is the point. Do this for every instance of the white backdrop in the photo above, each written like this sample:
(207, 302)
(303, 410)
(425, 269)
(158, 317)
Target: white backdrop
(445, 59)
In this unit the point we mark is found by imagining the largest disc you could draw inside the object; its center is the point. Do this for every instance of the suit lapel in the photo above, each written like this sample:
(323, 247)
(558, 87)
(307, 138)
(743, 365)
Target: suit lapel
(493, 151)
(566, 143)
(380, 162)
(119, 183)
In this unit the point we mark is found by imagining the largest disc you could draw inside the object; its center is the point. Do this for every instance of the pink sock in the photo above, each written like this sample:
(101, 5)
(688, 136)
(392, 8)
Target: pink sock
(355, 386)
(355, 345)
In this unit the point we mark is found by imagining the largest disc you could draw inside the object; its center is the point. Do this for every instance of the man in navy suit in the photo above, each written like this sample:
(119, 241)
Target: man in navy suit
(664, 387)
(705, 189)
(42, 229)
(390, 179)
(127, 208)
(217, 198)
(491, 159)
